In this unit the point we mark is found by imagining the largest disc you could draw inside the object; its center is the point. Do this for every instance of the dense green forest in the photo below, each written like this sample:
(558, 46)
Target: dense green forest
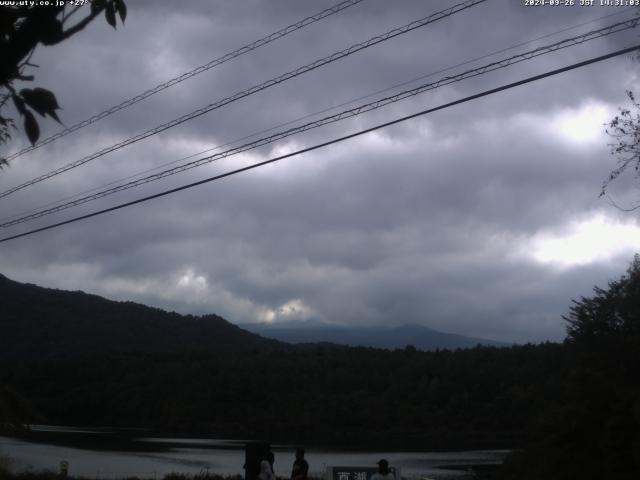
(475, 398)
(590, 427)
(569, 411)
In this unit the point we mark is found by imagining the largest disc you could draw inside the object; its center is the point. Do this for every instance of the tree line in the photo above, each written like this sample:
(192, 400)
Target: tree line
(568, 410)
(340, 396)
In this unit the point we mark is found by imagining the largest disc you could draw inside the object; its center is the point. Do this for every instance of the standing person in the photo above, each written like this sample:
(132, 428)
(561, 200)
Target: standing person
(271, 458)
(266, 472)
(300, 468)
(383, 472)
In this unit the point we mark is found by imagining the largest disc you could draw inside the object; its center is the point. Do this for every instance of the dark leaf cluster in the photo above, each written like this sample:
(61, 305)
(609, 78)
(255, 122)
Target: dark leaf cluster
(22, 29)
(37, 100)
(590, 429)
(624, 129)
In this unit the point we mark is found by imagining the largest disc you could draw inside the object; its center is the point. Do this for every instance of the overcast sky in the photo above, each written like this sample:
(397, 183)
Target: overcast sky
(482, 219)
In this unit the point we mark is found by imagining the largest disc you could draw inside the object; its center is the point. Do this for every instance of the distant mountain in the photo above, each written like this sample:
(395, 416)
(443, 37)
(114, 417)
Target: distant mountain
(38, 322)
(421, 337)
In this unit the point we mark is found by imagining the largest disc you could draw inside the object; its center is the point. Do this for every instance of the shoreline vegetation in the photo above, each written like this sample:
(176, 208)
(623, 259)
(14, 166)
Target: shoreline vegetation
(467, 472)
(470, 465)
(569, 410)
(125, 440)
(477, 474)
(49, 475)
(481, 398)
(8, 472)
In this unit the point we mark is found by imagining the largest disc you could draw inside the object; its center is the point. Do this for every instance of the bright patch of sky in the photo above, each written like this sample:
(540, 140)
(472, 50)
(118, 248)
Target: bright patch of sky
(583, 125)
(596, 239)
(291, 310)
(192, 281)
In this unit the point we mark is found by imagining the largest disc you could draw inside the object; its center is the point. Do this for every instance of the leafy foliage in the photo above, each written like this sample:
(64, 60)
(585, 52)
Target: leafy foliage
(22, 29)
(624, 129)
(609, 316)
(474, 398)
(15, 410)
(42, 101)
(591, 428)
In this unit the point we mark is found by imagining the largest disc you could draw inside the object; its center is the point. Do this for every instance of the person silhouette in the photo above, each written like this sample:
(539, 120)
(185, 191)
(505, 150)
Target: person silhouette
(266, 471)
(271, 458)
(300, 468)
(383, 472)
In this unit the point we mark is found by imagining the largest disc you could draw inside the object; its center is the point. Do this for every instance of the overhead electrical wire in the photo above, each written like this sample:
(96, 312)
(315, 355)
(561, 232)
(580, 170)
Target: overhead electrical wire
(255, 89)
(615, 28)
(565, 43)
(192, 73)
(330, 142)
(310, 115)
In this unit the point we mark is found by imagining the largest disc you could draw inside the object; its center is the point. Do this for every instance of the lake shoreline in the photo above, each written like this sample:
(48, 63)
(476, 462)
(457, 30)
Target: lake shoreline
(147, 454)
(150, 440)
(478, 474)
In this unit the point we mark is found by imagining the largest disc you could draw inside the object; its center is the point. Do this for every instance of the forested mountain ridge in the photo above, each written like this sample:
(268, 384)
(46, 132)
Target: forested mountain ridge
(39, 322)
(52, 323)
(85, 360)
(574, 406)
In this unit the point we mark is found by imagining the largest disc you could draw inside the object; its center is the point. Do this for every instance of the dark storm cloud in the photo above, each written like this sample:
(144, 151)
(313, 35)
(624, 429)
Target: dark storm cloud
(160, 53)
(434, 221)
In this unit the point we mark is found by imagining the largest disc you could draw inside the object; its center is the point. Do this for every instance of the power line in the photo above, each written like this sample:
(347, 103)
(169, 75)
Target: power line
(310, 115)
(313, 114)
(192, 73)
(256, 88)
(565, 43)
(331, 142)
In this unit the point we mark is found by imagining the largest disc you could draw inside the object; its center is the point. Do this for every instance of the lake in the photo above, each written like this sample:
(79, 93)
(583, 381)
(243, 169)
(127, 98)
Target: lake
(148, 456)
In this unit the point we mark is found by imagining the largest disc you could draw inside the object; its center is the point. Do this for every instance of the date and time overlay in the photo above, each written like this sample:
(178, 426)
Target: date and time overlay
(581, 3)
(526, 3)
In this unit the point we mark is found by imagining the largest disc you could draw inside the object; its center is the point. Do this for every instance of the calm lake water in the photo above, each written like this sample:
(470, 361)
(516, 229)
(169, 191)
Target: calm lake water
(197, 455)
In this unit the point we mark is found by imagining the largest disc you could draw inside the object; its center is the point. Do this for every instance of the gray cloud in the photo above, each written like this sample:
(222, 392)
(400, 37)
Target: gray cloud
(433, 221)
